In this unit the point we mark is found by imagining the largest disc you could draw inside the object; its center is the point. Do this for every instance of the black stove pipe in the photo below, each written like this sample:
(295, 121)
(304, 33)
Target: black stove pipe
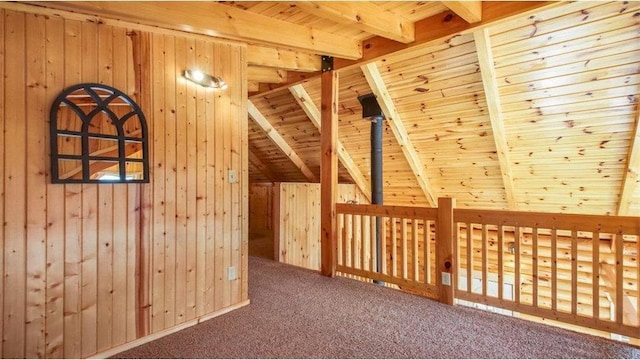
(371, 110)
(376, 183)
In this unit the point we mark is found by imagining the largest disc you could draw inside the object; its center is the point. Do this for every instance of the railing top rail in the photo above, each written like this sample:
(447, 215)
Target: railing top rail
(628, 225)
(410, 212)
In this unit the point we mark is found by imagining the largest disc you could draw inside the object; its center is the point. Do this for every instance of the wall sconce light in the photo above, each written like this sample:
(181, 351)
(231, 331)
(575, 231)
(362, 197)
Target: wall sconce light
(204, 79)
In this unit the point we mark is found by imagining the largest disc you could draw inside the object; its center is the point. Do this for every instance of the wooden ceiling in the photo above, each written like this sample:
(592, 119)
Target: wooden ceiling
(537, 113)
(502, 105)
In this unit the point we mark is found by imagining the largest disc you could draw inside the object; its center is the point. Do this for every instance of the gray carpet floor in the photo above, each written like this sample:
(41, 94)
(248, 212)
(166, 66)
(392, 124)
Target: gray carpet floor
(296, 313)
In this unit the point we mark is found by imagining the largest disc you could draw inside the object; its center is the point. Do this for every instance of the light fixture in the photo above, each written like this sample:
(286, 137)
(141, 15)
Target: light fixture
(204, 79)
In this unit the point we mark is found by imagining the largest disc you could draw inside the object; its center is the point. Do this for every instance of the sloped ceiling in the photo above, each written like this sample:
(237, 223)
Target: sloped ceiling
(501, 105)
(536, 113)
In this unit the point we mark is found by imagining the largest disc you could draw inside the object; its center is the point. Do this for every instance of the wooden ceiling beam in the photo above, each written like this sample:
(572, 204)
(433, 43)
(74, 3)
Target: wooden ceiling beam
(279, 141)
(253, 86)
(630, 179)
(470, 11)
(266, 75)
(293, 78)
(440, 26)
(494, 105)
(306, 103)
(265, 56)
(261, 166)
(433, 28)
(218, 20)
(365, 16)
(372, 74)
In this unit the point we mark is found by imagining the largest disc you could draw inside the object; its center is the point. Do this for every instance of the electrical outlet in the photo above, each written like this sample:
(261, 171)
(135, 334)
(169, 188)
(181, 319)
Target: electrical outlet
(446, 278)
(233, 177)
(231, 273)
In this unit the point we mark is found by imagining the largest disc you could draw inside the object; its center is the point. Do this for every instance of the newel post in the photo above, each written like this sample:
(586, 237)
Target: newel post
(445, 242)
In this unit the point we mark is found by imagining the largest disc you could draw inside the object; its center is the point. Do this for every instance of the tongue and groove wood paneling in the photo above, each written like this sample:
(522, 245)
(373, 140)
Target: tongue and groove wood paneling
(569, 85)
(437, 89)
(88, 268)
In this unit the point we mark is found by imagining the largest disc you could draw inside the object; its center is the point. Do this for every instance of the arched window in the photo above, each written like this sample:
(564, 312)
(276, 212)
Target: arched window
(98, 134)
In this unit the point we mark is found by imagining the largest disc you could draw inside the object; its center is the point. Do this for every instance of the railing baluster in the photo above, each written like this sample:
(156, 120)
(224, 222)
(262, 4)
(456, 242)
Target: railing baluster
(373, 253)
(394, 247)
(469, 257)
(516, 253)
(554, 270)
(345, 242)
(340, 240)
(404, 240)
(534, 260)
(574, 272)
(456, 235)
(500, 263)
(354, 242)
(383, 245)
(595, 259)
(619, 249)
(364, 242)
(414, 255)
(485, 259)
(427, 245)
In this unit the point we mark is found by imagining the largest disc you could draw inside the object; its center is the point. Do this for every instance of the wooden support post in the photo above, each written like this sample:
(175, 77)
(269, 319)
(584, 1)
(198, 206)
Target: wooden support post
(445, 243)
(329, 172)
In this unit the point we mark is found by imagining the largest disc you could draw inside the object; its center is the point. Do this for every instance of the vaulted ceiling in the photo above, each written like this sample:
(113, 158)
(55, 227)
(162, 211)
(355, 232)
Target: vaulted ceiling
(537, 113)
(502, 105)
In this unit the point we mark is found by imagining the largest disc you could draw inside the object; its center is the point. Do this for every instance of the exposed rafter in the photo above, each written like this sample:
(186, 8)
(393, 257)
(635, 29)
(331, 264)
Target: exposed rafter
(365, 16)
(306, 103)
(438, 26)
(630, 179)
(379, 88)
(210, 18)
(282, 59)
(264, 169)
(279, 141)
(470, 11)
(265, 74)
(492, 94)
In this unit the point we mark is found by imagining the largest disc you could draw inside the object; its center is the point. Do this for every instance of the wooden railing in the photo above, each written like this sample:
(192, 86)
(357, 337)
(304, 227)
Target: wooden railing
(407, 250)
(577, 269)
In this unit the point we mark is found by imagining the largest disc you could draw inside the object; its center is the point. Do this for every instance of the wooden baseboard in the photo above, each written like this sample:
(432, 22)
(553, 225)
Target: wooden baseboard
(158, 335)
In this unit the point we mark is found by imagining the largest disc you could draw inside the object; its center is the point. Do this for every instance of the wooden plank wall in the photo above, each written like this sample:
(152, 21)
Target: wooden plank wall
(299, 229)
(86, 268)
(261, 208)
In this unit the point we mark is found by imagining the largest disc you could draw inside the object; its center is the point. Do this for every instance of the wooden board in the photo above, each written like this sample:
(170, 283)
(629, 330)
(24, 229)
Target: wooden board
(95, 267)
(299, 222)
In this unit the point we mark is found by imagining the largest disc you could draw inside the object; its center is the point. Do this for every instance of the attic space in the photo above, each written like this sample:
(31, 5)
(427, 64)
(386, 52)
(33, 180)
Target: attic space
(150, 152)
